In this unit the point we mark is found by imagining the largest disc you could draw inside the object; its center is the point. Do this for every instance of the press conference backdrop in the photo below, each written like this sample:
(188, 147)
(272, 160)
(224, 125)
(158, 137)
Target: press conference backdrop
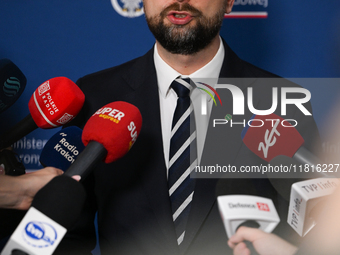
(46, 39)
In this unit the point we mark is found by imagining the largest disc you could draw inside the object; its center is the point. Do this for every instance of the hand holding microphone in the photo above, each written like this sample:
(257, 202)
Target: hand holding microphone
(264, 243)
(53, 104)
(238, 211)
(55, 209)
(18, 192)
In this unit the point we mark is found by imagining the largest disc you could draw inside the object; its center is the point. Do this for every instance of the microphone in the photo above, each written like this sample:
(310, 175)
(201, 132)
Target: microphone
(108, 135)
(243, 205)
(282, 146)
(247, 210)
(54, 103)
(12, 82)
(54, 210)
(18, 252)
(306, 202)
(305, 198)
(276, 136)
(62, 148)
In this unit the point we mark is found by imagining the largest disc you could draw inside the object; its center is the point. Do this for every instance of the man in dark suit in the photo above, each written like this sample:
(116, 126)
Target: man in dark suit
(131, 195)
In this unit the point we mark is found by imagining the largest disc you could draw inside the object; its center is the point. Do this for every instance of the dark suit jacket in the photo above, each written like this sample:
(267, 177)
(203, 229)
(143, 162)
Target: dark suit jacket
(131, 194)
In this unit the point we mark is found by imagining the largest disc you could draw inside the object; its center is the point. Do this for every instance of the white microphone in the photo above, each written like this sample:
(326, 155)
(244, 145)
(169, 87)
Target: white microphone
(306, 201)
(305, 197)
(55, 208)
(247, 210)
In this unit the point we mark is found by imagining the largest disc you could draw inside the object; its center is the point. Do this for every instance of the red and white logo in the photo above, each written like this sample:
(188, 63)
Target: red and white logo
(44, 87)
(263, 207)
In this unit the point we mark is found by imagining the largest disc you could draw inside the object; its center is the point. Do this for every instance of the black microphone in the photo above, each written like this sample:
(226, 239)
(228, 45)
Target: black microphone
(12, 83)
(283, 187)
(55, 209)
(18, 252)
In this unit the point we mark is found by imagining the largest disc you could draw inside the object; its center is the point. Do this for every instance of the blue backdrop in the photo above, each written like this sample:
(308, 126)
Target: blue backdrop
(46, 39)
(53, 38)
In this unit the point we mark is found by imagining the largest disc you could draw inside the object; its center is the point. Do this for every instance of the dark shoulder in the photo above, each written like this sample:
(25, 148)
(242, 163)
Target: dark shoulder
(108, 74)
(112, 84)
(254, 71)
(129, 71)
(235, 67)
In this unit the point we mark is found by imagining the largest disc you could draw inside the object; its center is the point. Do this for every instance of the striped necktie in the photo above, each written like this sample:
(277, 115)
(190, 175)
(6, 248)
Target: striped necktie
(183, 157)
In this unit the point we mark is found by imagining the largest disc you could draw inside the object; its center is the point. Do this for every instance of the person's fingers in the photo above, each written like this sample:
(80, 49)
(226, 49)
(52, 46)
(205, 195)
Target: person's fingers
(76, 177)
(241, 249)
(54, 170)
(244, 233)
(249, 234)
(234, 240)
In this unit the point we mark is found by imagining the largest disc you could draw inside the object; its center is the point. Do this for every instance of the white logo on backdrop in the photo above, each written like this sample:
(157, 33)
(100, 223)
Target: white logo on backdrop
(241, 13)
(128, 8)
(264, 3)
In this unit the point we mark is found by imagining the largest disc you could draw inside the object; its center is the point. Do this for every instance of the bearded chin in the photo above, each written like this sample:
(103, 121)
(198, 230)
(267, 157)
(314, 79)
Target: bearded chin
(185, 40)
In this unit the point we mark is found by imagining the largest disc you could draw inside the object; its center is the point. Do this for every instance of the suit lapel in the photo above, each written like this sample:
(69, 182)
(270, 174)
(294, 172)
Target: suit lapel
(146, 98)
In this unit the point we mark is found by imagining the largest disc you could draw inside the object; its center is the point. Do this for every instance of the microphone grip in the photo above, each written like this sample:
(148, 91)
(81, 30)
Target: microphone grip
(18, 252)
(87, 159)
(250, 224)
(250, 246)
(304, 156)
(24, 127)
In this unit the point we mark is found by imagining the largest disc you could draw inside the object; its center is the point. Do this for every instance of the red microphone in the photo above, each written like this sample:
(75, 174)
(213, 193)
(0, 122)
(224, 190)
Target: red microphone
(108, 135)
(269, 136)
(53, 104)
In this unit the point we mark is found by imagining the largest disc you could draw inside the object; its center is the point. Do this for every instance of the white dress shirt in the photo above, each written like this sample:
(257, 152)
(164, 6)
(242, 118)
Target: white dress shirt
(168, 97)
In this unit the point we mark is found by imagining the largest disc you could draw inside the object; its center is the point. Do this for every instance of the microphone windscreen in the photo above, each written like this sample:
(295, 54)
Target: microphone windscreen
(62, 148)
(115, 126)
(270, 135)
(62, 200)
(55, 102)
(12, 83)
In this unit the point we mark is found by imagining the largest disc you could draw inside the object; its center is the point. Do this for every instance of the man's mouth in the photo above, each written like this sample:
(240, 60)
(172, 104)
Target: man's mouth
(179, 17)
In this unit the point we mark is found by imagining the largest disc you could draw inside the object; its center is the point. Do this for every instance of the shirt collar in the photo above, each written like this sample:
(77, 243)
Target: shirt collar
(166, 74)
